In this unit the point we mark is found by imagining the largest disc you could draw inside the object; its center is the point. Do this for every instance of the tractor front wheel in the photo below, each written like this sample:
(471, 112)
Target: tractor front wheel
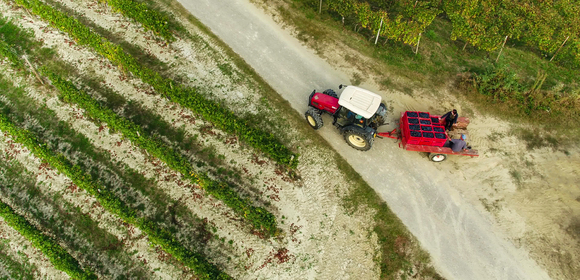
(358, 139)
(314, 118)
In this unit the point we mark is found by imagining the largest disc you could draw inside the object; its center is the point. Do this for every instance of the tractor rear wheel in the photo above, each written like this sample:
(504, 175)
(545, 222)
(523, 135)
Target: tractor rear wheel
(357, 138)
(314, 118)
(330, 92)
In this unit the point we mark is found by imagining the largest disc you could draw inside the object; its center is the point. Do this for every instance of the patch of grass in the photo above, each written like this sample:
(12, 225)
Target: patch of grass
(387, 83)
(226, 69)
(536, 140)
(491, 206)
(495, 136)
(356, 80)
(516, 176)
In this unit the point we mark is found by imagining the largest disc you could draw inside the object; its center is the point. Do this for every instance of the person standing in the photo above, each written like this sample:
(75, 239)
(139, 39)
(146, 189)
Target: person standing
(450, 119)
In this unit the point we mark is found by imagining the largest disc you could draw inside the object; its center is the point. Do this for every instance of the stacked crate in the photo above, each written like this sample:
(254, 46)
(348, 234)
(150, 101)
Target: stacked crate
(420, 128)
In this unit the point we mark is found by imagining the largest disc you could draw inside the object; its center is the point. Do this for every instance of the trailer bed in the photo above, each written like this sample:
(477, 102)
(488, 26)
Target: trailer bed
(434, 151)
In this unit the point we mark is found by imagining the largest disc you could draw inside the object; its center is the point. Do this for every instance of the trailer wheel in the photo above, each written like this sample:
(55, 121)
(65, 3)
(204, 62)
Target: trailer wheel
(357, 138)
(437, 157)
(313, 118)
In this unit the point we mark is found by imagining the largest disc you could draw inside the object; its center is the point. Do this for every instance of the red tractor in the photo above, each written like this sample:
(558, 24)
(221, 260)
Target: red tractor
(357, 113)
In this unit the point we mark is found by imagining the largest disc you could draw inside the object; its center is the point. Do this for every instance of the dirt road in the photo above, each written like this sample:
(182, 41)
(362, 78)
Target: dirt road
(463, 243)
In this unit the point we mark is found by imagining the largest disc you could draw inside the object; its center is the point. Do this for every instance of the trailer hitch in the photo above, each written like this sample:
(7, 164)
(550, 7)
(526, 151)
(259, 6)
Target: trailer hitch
(391, 134)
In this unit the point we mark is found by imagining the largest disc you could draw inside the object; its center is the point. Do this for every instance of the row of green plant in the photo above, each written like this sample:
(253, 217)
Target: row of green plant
(546, 26)
(9, 53)
(503, 85)
(16, 266)
(109, 201)
(72, 137)
(57, 255)
(125, 181)
(405, 27)
(552, 28)
(150, 18)
(260, 218)
(187, 97)
(50, 211)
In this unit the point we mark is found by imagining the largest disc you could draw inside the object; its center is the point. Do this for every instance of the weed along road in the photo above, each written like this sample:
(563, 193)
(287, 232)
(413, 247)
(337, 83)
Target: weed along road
(461, 242)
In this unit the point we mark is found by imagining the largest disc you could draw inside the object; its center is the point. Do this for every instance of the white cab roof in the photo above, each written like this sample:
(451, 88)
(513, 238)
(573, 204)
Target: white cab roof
(360, 101)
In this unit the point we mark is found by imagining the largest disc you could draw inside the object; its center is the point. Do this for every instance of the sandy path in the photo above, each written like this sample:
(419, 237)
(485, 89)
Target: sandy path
(462, 242)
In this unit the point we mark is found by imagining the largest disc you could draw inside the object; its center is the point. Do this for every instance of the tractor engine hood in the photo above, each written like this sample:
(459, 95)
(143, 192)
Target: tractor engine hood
(360, 101)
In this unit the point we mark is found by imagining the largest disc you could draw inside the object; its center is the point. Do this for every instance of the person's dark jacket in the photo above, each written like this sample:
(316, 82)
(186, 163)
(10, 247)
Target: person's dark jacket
(448, 117)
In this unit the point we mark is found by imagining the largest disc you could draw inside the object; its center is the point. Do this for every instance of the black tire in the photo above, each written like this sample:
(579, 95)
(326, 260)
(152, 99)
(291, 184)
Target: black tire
(437, 157)
(313, 118)
(330, 92)
(358, 138)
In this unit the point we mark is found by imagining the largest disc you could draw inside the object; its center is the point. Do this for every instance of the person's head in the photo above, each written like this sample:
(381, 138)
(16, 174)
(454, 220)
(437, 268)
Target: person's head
(463, 137)
(454, 112)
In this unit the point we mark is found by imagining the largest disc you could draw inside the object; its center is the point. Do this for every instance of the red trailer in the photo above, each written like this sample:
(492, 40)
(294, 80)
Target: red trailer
(415, 139)
(358, 113)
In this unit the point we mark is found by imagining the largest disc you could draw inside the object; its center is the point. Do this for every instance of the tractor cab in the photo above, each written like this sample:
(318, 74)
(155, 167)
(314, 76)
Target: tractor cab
(357, 113)
(360, 107)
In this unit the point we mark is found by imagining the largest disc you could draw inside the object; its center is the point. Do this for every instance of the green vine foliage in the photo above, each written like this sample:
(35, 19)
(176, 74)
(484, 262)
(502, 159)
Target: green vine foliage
(552, 27)
(503, 86)
(544, 25)
(10, 54)
(57, 255)
(404, 27)
(260, 218)
(187, 97)
(109, 201)
(140, 12)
